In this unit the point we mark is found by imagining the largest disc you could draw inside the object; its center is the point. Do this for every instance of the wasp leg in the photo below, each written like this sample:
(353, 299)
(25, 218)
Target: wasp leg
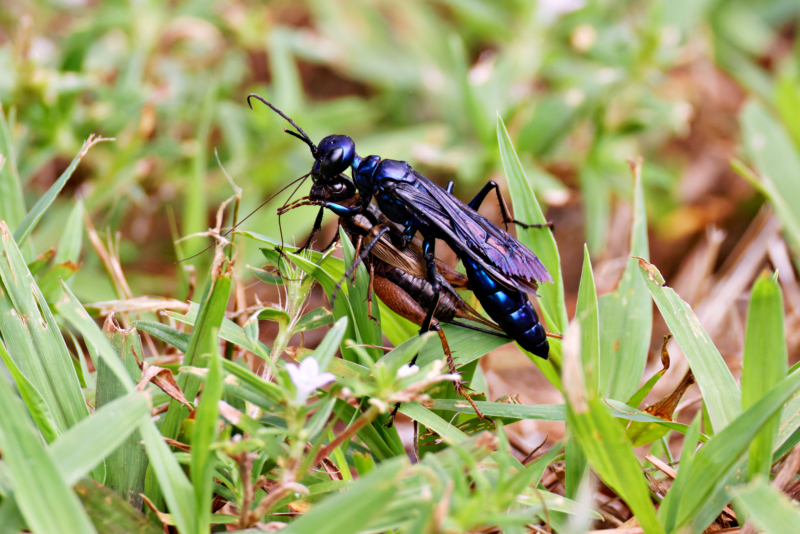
(459, 386)
(359, 242)
(369, 292)
(429, 253)
(481, 196)
(316, 228)
(372, 239)
(401, 303)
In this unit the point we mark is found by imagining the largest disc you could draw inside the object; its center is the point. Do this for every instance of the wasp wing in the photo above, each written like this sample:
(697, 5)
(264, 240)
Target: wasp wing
(482, 240)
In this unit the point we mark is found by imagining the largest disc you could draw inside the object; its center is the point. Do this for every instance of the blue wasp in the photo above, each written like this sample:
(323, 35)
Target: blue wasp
(500, 269)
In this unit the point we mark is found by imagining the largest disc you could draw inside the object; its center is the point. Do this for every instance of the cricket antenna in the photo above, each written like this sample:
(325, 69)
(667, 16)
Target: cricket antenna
(302, 135)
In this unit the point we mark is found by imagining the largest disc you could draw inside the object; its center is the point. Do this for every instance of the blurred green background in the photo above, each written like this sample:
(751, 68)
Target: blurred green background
(581, 85)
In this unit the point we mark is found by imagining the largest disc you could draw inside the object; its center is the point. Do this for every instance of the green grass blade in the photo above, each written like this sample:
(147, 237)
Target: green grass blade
(467, 346)
(45, 499)
(202, 343)
(587, 315)
(33, 338)
(11, 520)
(173, 484)
(165, 333)
(341, 305)
(357, 294)
(720, 392)
(196, 207)
(542, 412)
(764, 364)
(72, 310)
(37, 407)
(449, 432)
(69, 246)
(110, 513)
(50, 283)
(612, 457)
(769, 508)
(268, 389)
(362, 501)
(368, 434)
(326, 350)
(316, 318)
(205, 433)
(127, 465)
(668, 511)
(109, 427)
(12, 202)
(626, 315)
(603, 440)
(228, 330)
(37, 212)
(777, 160)
(539, 240)
(717, 459)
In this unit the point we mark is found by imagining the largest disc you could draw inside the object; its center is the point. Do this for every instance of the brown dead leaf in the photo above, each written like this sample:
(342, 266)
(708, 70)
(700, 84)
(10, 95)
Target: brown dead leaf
(164, 379)
(666, 407)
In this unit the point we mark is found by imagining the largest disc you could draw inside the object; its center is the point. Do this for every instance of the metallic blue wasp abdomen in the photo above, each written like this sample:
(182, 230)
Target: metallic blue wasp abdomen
(510, 309)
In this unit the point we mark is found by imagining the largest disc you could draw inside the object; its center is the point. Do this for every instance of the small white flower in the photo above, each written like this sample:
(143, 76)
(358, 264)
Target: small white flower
(307, 378)
(407, 370)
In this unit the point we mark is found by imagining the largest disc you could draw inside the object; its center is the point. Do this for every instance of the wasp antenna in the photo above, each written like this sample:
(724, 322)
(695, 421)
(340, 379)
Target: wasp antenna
(303, 135)
(303, 139)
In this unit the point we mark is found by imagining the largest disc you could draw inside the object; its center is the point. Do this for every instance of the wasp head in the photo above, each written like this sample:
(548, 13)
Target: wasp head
(334, 155)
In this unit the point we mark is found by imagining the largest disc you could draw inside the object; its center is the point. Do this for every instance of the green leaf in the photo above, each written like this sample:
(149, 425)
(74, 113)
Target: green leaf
(769, 508)
(37, 407)
(602, 439)
(276, 315)
(268, 389)
(38, 484)
(110, 426)
(326, 350)
(72, 310)
(110, 513)
(341, 305)
(450, 433)
(127, 465)
(613, 459)
(34, 216)
(777, 160)
(202, 344)
(764, 364)
(357, 294)
(717, 460)
(542, 412)
(719, 389)
(668, 511)
(539, 240)
(368, 434)
(69, 247)
(173, 484)
(626, 314)
(165, 333)
(50, 283)
(363, 500)
(33, 338)
(316, 318)
(587, 315)
(229, 331)
(12, 202)
(466, 345)
(205, 433)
